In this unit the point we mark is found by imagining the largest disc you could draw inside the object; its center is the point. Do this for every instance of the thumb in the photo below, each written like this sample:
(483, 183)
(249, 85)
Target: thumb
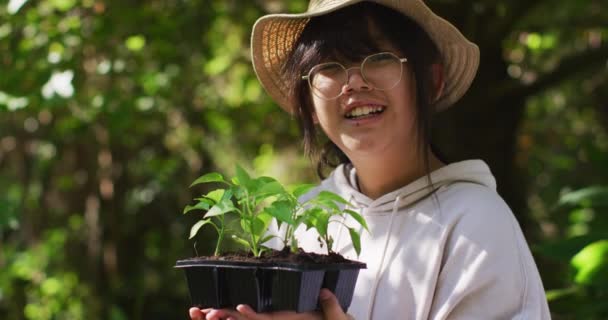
(330, 305)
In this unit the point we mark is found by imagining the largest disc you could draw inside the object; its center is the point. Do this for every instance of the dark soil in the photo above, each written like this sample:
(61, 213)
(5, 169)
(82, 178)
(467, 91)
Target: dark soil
(283, 256)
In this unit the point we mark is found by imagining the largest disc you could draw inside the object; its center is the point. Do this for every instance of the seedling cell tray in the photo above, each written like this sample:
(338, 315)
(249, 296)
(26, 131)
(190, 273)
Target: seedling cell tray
(267, 286)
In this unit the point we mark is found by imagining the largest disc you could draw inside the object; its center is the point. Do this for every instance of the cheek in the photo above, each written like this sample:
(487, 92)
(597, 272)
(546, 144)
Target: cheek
(319, 114)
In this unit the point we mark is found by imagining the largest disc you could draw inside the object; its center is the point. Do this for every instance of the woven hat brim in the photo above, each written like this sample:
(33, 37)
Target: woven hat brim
(274, 36)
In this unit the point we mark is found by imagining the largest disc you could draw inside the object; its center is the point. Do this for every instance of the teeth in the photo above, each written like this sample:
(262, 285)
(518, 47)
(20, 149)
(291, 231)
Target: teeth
(364, 110)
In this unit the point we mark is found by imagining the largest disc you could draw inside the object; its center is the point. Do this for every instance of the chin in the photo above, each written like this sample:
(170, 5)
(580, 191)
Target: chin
(363, 147)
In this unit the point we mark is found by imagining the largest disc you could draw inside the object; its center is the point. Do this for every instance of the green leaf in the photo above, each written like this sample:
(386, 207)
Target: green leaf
(556, 294)
(282, 211)
(356, 239)
(202, 205)
(223, 207)
(596, 196)
(299, 220)
(260, 224)
(591, 264)
(311, 217)
(265, 218)
(326, 195)
(198, 225)
(267, 238)
(271, 188)
(216, 195)
(322, 222)
(256, 226)
(328, 204)
(301, 189)
(242, 242)
(244, 179)
(209, 177)
(357, 217)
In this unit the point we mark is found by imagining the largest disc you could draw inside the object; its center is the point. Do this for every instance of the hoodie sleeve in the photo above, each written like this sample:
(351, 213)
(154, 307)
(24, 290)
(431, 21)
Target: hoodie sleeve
(487, 269)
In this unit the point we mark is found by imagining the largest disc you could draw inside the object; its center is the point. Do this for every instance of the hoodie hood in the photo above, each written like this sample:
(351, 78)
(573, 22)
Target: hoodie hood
(345, 180)
(424, 259)
(471, 171)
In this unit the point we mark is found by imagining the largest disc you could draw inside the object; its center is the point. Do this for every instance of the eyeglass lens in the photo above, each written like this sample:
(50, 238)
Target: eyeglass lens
(381, 71)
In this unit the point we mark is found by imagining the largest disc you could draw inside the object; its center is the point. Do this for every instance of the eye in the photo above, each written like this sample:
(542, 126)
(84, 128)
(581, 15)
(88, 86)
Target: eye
(329, 69)
(381, 57)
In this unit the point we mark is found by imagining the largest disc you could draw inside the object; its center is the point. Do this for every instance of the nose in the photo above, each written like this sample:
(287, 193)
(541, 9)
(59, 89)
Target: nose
(355, 81)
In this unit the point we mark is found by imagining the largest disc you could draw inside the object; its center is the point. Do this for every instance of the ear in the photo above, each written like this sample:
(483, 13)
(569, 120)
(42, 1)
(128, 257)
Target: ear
(315, 119)
(438, 80)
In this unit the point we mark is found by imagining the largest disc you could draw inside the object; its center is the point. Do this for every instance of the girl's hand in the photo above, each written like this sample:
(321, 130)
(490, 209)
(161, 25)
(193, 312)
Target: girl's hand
(329, 304)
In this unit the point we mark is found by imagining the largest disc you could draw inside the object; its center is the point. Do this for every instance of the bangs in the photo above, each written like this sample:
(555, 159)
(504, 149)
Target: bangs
(343, 37)
(347, 35)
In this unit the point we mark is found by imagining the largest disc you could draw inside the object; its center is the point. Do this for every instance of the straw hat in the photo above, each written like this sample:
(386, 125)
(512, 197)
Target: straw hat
(274, 36)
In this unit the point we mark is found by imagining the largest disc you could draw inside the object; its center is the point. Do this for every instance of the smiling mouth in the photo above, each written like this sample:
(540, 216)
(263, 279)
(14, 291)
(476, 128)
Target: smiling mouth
(364, 112)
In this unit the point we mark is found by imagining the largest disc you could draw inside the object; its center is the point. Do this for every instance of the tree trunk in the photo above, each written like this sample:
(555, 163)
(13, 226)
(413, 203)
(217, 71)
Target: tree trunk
(479, 127)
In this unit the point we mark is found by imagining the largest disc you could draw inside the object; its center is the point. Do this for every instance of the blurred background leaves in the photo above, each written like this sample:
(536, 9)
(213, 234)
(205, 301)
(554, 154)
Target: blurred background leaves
(109, 109)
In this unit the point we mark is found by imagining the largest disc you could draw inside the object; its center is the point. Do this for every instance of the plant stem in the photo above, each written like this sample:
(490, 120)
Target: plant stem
(220, 237)
(249, 212)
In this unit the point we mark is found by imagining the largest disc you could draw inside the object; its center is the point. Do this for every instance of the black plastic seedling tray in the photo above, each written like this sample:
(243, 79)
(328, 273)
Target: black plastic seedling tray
(267, 286)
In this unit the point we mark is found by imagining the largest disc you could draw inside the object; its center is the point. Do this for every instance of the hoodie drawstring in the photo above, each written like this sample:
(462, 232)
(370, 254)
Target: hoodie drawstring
(379, 271)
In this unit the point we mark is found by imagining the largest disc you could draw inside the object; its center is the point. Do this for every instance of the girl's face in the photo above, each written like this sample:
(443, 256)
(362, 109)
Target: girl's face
(390, 125)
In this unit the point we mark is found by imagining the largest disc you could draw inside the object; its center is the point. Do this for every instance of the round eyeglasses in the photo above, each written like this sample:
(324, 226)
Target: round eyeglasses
(381, 71)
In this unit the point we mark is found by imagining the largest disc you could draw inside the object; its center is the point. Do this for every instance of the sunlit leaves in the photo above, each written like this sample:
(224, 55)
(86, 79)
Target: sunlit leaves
(59, 84)
(12, 103)
(218, 64)
(536, 41)
(15, 5)
(5, 30)
(135, 43)
(596, 196)
(137, 85)
(63, 5)
(591, 265)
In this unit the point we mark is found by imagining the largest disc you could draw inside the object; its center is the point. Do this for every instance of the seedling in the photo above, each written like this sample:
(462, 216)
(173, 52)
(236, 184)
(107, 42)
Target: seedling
(257, 201)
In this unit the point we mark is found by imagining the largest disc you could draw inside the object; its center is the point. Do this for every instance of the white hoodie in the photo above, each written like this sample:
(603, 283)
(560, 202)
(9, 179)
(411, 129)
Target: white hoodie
(456, 253)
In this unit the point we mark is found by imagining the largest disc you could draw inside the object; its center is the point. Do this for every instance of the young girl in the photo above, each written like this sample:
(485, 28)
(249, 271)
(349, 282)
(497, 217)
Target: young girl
(370, 75)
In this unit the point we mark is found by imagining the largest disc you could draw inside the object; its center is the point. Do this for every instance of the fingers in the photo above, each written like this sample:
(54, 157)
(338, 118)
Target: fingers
(330, 305)
(250, 314)
(247, 311)
(198, 314)
(224, 314)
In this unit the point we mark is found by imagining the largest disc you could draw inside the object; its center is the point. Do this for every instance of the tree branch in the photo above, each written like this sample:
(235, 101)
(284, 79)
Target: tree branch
(519, 11)
(568, 67)
(572, 23)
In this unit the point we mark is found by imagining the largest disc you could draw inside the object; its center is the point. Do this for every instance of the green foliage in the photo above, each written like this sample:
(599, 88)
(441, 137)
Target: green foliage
(52, 291)
(108, 108)
(259, 201)
(587, 254)
(591, 265)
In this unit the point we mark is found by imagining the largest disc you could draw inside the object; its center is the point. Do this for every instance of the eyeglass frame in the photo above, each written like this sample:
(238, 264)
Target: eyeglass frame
(307, 76)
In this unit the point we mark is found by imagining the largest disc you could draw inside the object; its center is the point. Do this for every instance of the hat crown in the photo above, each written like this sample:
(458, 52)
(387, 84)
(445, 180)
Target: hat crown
(318, 5)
